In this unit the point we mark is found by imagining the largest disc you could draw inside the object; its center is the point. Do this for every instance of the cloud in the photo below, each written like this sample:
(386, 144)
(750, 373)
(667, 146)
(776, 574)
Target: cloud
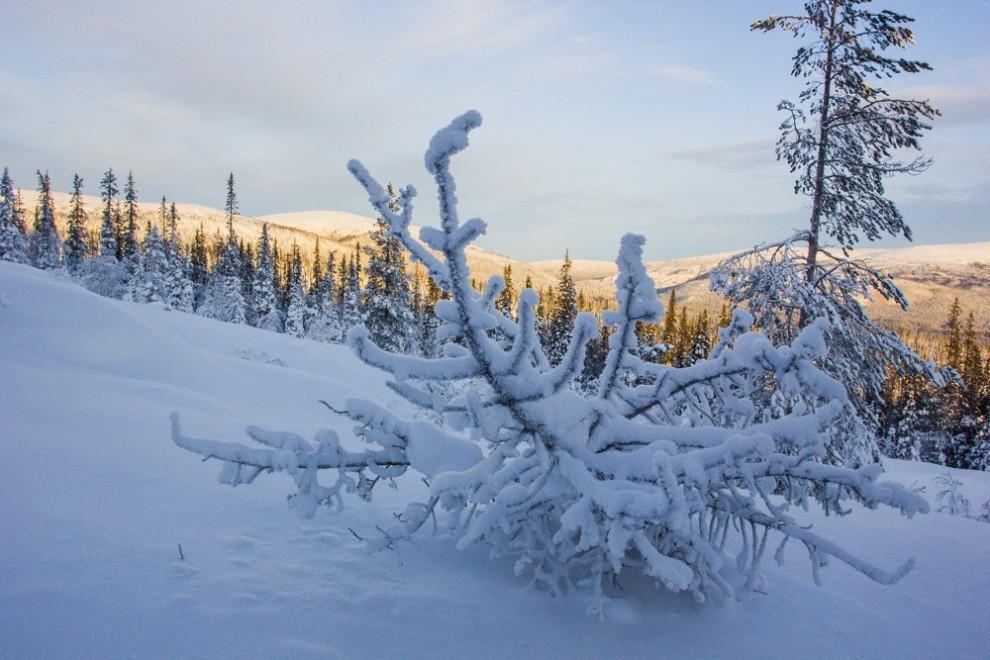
(958, 103)
(745, 153)
(682, 73)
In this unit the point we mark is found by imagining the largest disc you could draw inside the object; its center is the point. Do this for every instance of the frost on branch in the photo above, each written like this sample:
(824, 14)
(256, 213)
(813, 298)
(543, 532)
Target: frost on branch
(784, 292)
(682, 475)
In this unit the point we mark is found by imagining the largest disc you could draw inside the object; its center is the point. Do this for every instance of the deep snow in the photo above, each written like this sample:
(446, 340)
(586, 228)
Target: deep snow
(95, 498)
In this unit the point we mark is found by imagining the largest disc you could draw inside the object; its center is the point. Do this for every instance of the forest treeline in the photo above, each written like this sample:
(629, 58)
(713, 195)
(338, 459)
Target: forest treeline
(323, 296)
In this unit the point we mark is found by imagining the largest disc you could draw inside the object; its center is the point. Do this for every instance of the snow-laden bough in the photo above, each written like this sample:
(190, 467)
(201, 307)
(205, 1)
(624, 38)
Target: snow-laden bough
(682, 475)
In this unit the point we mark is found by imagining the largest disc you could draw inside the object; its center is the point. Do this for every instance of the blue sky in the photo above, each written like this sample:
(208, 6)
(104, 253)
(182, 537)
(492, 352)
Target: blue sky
(600, 117)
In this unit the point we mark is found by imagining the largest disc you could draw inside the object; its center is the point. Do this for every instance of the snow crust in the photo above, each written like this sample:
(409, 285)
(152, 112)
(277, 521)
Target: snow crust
(95, 498)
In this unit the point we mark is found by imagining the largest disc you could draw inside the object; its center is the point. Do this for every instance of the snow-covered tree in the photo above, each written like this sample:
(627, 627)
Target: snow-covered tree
(701, 340)
(108, 231)
(46, 245)
(150, 281)
(351, 313)
(179, 290)
(563, 314)
(264, 300)
(771, 281)
(507, 299)
(13, 242)
(230, 206)
(387, 312)
(296, 309)
(75, 241)
(130, 247)
(325, 323)
(173, 245)
(842, 139)
(223, 295)
(104, 273)
(684, 480)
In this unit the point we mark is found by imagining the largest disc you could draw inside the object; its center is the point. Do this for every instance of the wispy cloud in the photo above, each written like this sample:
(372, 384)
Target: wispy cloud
(745, 153)
(958, 103)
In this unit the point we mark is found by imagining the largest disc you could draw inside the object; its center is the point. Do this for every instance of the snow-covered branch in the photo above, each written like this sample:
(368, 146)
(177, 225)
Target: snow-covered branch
(680, 475)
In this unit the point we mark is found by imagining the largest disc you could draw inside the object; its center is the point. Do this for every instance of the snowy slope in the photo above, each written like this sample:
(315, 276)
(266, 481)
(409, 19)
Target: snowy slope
(94, 498)
(324, 223)
(931, 275)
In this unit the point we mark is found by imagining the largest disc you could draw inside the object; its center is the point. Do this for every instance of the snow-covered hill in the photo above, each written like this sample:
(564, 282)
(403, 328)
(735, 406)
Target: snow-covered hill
(95, 498)
(931, 275)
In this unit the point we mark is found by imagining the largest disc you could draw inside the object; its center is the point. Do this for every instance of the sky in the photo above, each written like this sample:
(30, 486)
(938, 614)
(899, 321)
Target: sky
(600, 118)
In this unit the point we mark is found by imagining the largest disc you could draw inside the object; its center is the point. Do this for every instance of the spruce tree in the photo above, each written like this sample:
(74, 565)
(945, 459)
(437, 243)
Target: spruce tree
(149, 281)
(46, 246)
(669, 335)
(108, 230)
(264, 302)
(564, 314)
(506, 300)
(325, 325)
(223, 297)
(972, 358)
(429, 343)
(954, 343)
(198, 256)
(246, 256)
(230, 206)
(387, 312)
(682, 349)
(842, 139)
(701, 343)
(156, 265)
(13, 242)
(351, 313)
(131, 249)
(172, 243)
(179, 290)
(296, 309)
(75, 242)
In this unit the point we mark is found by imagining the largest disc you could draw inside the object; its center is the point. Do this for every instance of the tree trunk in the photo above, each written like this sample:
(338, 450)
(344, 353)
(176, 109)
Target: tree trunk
(817, 202)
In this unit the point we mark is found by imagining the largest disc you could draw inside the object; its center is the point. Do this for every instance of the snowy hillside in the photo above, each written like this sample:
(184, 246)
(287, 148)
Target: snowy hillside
(95, 499)
(930, 275)
(323, 223)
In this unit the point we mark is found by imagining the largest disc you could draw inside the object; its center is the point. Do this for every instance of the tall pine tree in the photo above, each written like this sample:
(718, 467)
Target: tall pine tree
(564, 314)
(387, 312)
(13, 242)
(130, 247)
(264, 302)
(296, 309)
(46, 246)
(75, 242)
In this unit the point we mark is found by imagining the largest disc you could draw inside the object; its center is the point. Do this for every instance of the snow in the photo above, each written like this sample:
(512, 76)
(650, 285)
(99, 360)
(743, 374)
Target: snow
(323, 223)
(675, 271)
(95, 498)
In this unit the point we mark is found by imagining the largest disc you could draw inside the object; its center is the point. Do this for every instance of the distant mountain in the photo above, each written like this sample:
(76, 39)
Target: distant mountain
(931, 275)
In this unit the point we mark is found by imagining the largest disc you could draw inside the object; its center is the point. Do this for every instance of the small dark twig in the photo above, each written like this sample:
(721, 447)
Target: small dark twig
(182, 557)
(332, 409)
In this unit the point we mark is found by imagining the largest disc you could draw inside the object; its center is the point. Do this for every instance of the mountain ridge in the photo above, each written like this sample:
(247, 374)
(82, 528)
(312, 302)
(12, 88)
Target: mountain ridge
(930, 274)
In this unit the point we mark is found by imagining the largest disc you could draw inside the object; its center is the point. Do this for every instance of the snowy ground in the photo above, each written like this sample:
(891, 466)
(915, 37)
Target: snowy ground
(94, 499)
